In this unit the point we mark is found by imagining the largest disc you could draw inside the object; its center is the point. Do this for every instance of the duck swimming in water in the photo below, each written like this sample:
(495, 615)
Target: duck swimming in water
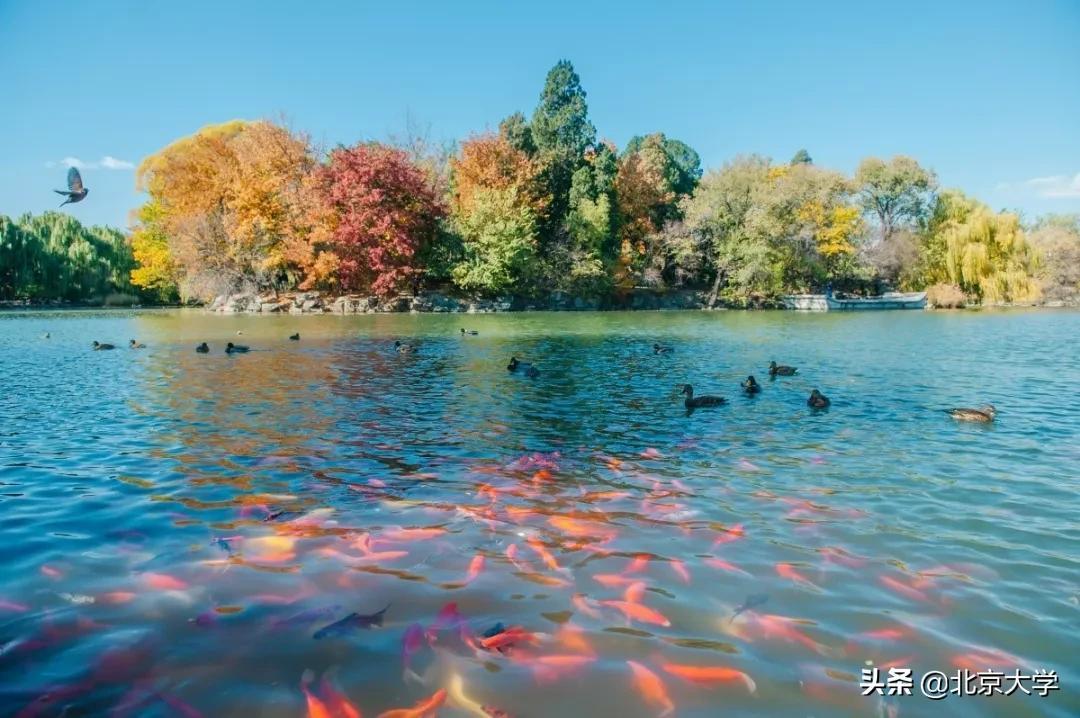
(203, 348)
(750, 386)
(524, 367)
(136, 345)
(984, 415)
(817, 400)
(231, 348)
(661, 349)
(470, 332)
(98, 346)
(781, 370)
(696, 402)
(404, 348)
(294, 337)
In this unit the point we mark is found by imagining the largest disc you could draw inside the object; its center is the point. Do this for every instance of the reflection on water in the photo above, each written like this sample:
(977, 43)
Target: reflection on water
(179, 527)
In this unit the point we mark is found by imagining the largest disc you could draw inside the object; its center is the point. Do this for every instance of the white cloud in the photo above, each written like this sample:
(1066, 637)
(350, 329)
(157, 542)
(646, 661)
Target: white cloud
(1056, 186)
(107, 162)
(111, 163)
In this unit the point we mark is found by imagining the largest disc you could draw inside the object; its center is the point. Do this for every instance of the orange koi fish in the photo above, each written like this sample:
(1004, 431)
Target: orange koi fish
(336, 701)
(680, 568)
(116, 597)
(315, 707)
(508, 637)
(408, 535)
(512, 554)
(651, 453)
(734, 533)
(164, 582)
(786, 570)
(651, 688)
(725, 566)
(985, 659)
(838, 555)
(639, 564)
(577, 527)
(773, 626)
(635, 592)
(582, 603)
(904, 589)
(423, 709)
(475, 567)
(709, 675)
(573, 637)
(546, 556)
(51, 572)
(638, 612)
(611, 580)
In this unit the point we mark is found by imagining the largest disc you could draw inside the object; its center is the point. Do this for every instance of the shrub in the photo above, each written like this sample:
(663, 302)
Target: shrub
(946, 296)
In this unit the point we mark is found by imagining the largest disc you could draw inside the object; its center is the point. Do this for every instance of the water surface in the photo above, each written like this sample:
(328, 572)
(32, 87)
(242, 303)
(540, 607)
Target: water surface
(178, 526)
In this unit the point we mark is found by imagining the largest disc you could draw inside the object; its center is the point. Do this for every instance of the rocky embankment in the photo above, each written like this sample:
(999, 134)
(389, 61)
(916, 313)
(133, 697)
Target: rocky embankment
(319, 303)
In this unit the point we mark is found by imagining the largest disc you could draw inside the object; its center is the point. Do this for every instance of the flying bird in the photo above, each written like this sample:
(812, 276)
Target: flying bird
(75, 191)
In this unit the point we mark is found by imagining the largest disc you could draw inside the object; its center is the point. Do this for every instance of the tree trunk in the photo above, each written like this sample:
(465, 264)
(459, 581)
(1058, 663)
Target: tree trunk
(715, 288)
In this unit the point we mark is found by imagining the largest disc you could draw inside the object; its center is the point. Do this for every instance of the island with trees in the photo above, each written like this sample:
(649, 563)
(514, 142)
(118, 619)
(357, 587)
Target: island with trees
(542, 213)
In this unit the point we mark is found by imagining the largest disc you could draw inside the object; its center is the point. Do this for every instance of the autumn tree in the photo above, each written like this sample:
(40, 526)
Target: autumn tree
(228, 200)
(155, 271)
(385, 212)
(1057, 239)
(491, 162)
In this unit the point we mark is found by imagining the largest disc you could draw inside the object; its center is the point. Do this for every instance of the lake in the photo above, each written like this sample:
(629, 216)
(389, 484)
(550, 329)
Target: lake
(178, 527)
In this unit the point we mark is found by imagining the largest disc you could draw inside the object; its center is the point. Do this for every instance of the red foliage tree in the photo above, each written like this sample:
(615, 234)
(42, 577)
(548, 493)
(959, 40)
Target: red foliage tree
(384, 212)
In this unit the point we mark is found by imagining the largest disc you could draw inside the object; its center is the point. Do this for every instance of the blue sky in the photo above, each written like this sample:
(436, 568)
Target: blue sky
(986, 93)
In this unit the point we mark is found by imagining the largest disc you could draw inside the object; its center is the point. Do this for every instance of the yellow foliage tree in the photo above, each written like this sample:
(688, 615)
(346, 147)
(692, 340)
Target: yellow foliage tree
(232, 205)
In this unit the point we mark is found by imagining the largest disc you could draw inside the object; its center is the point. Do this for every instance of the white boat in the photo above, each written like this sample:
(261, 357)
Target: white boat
(805, 302)
(889, 300)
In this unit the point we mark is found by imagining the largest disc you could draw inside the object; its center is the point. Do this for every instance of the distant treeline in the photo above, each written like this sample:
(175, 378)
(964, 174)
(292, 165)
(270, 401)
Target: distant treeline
(544, 204)
(54, 257)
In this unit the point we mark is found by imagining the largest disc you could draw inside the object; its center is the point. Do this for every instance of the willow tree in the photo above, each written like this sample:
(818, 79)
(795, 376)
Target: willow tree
(983, 252)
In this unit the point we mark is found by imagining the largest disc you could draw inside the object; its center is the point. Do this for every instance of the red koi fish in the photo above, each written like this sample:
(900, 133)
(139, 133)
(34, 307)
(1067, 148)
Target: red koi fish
(638, 564)
(423, 709)
(709, 675)
(399, 535)
(448, 617)
(508, 638)
(651, 688)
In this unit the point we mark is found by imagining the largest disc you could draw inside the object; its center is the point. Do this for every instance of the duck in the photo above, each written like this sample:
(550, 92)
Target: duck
(404, 348)
(750, 386)
(46, 335)
(817, 400)
(136, 345)
(781, 370)
(239, 333)
(203, 348)
(696, 402)
(231, 348)
(294, 337)
(661, 349)
(470, 332)
(98, 346)
(983, 415)
(525, 367)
